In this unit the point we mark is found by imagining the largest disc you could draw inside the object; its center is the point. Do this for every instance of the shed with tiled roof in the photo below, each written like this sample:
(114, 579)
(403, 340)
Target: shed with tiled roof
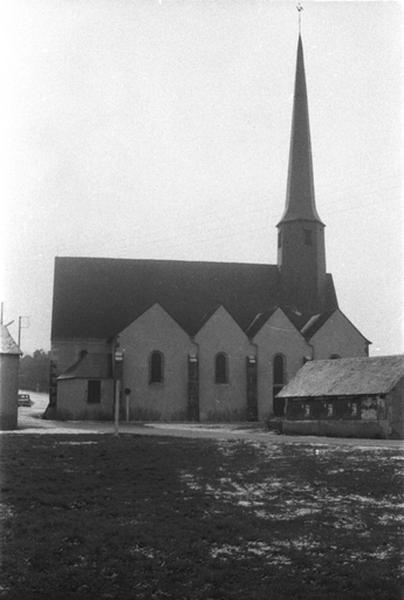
(357, 396)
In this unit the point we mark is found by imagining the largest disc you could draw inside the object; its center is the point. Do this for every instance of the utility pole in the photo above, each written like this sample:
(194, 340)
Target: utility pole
(21, 326)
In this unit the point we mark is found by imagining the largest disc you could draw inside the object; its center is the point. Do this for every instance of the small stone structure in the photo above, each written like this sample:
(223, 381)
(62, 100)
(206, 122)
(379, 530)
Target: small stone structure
(351, 397)
(9, 364)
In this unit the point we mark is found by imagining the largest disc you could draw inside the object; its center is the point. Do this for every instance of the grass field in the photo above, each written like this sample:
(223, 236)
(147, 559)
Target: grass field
(164, 518)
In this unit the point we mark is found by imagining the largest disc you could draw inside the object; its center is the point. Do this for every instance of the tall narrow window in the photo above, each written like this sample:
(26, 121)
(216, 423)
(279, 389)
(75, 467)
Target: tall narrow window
(278, 381)
(94, 391)
(221, 368)
(156, 367)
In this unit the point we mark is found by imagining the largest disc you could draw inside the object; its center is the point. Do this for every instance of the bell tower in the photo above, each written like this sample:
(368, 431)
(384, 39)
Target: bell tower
(301, 248)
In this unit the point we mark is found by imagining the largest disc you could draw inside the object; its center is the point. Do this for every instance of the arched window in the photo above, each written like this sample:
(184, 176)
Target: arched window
(221, 368)
(156, 367)
(278, 381)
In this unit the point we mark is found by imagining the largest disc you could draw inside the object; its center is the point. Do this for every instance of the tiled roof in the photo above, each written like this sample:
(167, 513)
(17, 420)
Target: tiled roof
(99, 297)
(93, 366)
(7, 344)
(346, 376)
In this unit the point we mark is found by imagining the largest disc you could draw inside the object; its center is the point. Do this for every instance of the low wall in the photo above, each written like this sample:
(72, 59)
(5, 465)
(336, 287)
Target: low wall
(338, 428)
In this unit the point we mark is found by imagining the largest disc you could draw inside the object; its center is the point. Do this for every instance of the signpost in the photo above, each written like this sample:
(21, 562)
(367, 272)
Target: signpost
(126, 391)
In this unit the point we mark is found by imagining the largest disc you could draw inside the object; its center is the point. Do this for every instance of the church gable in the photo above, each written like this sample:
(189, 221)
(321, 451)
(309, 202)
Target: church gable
(223, 351)
(280, 343)
(156, 325)
(334, 336)
(221, 328)
(155, 366)
(279, 330)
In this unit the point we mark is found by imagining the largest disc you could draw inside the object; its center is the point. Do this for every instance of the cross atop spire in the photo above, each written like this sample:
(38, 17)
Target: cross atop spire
(299, 9)
(300, 203)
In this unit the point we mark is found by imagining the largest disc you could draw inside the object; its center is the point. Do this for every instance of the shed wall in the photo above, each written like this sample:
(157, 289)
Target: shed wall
(342, 428)
(396, 405)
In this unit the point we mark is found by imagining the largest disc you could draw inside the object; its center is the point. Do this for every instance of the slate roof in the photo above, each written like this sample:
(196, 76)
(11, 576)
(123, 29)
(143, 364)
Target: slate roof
(90, 366)
(258, 321)
(315, 323)
(99, 297)
(7, 344)
(346, 376)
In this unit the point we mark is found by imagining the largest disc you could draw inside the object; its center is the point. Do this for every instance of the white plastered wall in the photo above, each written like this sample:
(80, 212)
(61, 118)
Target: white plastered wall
(277, 336)
(338, 337)
(223, 401)
(155, 330)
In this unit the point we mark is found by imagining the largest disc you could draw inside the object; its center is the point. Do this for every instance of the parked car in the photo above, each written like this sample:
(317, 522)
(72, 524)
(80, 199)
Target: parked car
(24, 400)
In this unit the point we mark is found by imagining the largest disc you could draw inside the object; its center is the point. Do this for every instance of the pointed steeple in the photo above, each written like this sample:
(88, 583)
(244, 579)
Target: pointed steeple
(300, 202)
(301, 244)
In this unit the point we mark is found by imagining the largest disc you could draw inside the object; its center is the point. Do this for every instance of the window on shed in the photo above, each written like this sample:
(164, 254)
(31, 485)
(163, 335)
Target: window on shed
(156, 367)
(94, 391)
(221, 368)
(333, 356)
(346, 407)
(318, 408)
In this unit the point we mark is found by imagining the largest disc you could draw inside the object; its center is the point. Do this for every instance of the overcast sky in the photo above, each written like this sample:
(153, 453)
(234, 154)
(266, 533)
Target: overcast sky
(160, 129)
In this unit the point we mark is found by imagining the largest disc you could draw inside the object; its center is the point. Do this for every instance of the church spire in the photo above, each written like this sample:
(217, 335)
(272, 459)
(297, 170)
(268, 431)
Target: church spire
(300, 202)
(301, 245)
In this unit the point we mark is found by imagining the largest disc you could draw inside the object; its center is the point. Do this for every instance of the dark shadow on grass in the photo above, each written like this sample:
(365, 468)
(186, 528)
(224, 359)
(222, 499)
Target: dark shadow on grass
(90, 516)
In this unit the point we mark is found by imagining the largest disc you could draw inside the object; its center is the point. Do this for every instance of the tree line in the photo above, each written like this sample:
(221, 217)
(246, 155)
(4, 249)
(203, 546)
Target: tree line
(34, 371)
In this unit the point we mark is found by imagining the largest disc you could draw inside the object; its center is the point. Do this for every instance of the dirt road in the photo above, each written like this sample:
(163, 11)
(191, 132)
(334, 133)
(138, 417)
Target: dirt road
(30, 421)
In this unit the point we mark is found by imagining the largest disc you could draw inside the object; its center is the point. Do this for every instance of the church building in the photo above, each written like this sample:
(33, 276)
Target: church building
(201, 341)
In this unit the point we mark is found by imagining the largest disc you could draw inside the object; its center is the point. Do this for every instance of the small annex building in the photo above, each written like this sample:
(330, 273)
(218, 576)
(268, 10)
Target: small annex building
(356, 397)
(201, 341)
